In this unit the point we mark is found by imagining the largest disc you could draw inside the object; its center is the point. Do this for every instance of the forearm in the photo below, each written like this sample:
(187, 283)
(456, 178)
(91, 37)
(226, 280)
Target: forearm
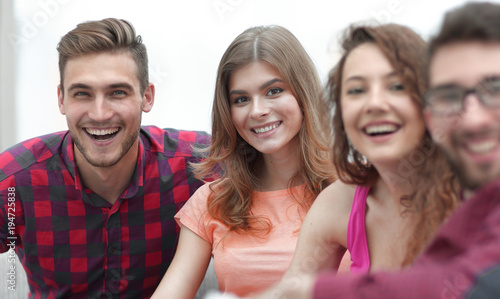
(176, 285)
(295, 287)
(424, 283)
(315, 259)
(187, 270)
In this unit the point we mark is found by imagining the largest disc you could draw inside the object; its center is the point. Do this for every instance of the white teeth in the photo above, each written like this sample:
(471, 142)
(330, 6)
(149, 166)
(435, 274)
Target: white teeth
(482, 147)
(378, 129)
(266, 129)
(100, 132)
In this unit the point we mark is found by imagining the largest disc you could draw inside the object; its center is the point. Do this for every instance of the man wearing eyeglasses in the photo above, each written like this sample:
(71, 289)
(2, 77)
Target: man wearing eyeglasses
(463, 115)
(463, 108)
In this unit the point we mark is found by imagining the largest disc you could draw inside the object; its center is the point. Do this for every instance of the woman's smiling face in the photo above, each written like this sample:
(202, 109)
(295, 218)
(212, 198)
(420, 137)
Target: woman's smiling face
(379, 116)
(264, 110)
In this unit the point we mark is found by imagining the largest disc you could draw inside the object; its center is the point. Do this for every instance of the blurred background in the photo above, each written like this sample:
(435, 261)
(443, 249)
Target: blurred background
(185, 41)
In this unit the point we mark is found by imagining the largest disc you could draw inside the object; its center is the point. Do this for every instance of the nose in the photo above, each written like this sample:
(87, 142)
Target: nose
(259, 108)
(100, 109)
(475, 115)
(376, 100)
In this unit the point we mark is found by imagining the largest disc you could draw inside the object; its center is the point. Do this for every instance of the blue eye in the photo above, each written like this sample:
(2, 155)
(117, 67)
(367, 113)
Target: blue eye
(119, 93)
(274, 91)
(80, 94)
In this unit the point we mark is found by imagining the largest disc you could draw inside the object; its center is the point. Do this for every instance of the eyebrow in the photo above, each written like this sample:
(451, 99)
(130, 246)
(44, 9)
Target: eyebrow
(360, 77)
(263, 86)
(111, 86)
(444, 86)
(120, 85)
(270, 82)
(78, 86)
(455, 85)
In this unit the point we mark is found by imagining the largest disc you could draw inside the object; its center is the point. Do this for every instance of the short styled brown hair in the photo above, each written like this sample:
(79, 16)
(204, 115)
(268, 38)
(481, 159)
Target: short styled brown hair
(107, 35)
(475, 21)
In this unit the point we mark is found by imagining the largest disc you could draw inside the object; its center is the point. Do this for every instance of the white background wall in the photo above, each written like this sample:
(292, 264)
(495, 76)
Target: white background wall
(185, 40)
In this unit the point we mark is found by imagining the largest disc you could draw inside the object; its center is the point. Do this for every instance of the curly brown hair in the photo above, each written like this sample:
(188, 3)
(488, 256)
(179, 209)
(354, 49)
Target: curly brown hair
(435, 189)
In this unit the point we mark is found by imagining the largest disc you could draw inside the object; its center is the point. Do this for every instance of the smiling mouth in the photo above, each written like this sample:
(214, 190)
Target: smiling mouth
(267, 128)
(102, 134)
(381, 130)
(482, 147)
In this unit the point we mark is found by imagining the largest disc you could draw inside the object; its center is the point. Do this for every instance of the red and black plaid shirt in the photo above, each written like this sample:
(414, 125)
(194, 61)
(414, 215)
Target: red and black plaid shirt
(462, 261)
(73, 243)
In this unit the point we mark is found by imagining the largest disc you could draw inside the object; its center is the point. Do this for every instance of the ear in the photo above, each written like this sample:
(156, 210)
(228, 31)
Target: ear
(148, 98)
(60, 100)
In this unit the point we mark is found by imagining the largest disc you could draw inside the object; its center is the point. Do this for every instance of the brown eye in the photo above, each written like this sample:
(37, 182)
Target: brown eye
(397, 86)
(240, 100)
(355, 90)
(274, 91)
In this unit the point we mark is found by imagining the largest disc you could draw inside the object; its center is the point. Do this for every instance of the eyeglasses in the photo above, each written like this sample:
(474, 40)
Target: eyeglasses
(449, 100)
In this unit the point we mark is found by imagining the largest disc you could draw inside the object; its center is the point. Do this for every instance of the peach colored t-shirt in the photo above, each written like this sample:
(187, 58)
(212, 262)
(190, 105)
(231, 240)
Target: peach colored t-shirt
(244, 263)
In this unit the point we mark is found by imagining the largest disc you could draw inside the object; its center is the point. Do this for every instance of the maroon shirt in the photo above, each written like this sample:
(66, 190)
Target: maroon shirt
(73, 243)
(462, 261)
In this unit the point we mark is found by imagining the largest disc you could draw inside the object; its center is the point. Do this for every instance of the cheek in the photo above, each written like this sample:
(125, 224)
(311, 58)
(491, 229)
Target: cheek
(237, 118)
(294, 112)
(348, 112)
(73, 112)
(130, 110)
(441, 129)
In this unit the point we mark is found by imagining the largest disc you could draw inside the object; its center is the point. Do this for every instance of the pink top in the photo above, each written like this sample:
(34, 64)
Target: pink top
(356, 232)
(246, 263)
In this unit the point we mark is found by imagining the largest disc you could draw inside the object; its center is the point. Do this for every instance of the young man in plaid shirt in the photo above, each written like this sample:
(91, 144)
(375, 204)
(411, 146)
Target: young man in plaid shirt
(90, 211)
(463, 114)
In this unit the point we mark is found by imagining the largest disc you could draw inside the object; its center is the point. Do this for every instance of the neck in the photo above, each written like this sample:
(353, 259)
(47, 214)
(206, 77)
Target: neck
(393, 182)
(108, 182)
(279, 169)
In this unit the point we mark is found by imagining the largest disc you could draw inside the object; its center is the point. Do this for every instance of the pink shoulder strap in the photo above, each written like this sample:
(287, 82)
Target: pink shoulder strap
(356, 232)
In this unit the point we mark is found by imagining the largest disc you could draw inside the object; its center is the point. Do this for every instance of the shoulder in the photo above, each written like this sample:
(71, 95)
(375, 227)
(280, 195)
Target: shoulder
(203, 192)
(333, 204)
(174, 142)
(201, 195)
(196, 207)
(330, 212)
(30, 152)
(339, 195)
